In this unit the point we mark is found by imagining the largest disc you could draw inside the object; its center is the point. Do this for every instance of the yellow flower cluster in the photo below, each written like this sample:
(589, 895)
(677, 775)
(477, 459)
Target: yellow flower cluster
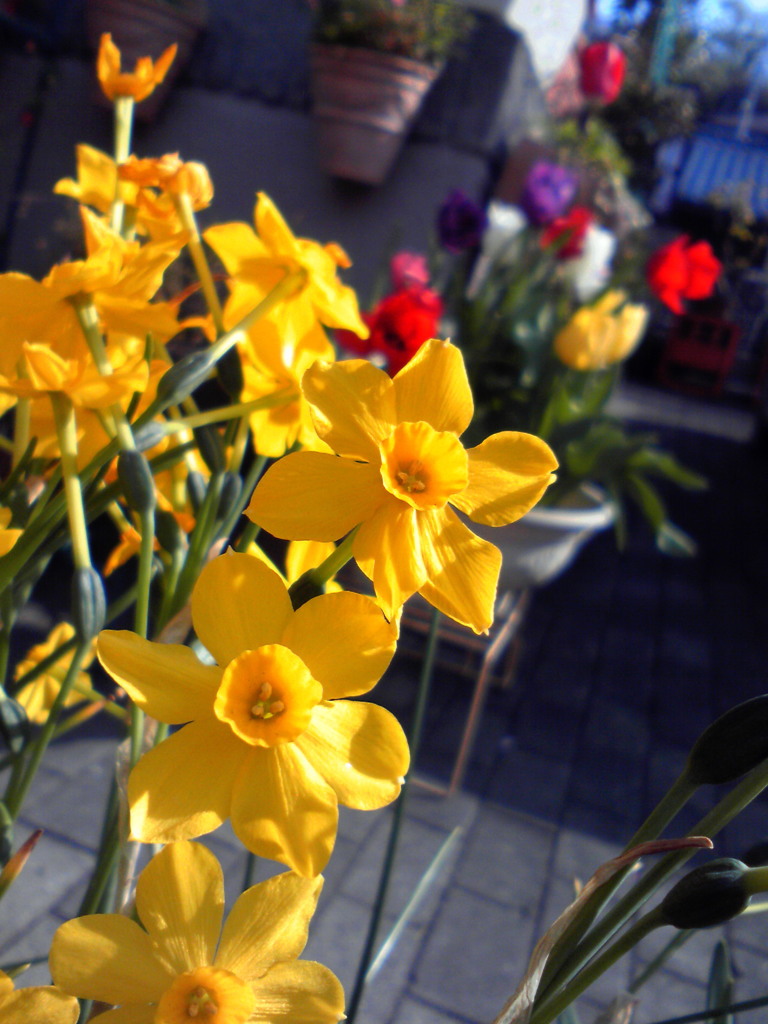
(261, 723)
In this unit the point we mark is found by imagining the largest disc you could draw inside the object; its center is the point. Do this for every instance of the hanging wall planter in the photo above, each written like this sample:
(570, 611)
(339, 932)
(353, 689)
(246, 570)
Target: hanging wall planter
(364, 103)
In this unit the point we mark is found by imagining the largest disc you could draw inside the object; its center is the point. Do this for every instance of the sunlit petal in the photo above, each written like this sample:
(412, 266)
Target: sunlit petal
(344, 640)
(434, 387)
(283, 809)
(314, 496)
(353, 406)
(239, 604)
(39, 1005)
(180, 901)
(268, 924)
(508, 473)
(387, 548)
(166, 680)
(182, 788)
(463, 570)
(300, 992)
(360, 750)
(107, 957)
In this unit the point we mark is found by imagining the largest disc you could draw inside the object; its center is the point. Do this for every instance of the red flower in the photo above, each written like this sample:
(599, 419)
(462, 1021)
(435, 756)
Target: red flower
(567, 233)
(399, 326)
(683, 270)
(602, 67)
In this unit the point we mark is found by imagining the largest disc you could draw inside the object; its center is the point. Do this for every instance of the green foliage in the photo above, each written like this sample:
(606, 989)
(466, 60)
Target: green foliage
(421, 29)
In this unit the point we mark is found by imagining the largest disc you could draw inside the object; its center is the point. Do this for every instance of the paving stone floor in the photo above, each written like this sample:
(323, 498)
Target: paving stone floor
(624, 660)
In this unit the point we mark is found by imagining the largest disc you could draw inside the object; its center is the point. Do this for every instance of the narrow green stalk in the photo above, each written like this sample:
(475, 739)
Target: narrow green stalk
(183, 203)
(550, 1008)
(717, 1011)
(200, 543)
(250, 532)
(670, 804)
(170, 582)
(727, 809)
(124, 106)
(64, 414)
(677, 940)
(21, 426)
(239, 445)
(146, 557)
(15, 798)
(88, 318)
(252, 477)
(230, 412)
(7, 616)
(106, 858)
(414, 740)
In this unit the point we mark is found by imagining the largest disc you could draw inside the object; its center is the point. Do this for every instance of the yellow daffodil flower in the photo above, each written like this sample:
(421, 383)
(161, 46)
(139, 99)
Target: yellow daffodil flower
(171, 174)
(37, 696)
(259, 261)
(41, 1004)
(96, 181)
(602, 334)
(402, 467)
(276, 360)
(138, 83)
(180, 964)
(269, 741)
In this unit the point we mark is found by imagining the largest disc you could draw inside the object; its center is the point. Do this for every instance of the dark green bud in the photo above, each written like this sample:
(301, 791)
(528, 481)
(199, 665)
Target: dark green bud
(14, 724)
(136, 480)
(230, 373)
(211, 448)
(196, 488)
(231, 487)
(184, 377)
(89, 606)
(169, 534)
(733, 745)
(149, 436)
(708, 895)
(305, 588)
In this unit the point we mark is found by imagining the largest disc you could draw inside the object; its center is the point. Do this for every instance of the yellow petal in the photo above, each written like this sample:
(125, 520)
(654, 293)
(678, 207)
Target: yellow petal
(182, 788)
(6, 985)
(434, 387)
(40, 1005)
(239, 604)
(344, 640)
(353, 406)
(166, 680)
(282, 809)
(272, 228)
(267, 924)
(360, 750)
(180, 901)
(299, 992)
(301, 555)
(508, 473)
(388, 549)
(235, 244)
(107, 957)
(314, 496)
(463, 570)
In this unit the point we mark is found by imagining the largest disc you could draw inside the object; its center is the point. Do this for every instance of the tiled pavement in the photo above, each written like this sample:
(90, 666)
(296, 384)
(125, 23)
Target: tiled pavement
(625, 659)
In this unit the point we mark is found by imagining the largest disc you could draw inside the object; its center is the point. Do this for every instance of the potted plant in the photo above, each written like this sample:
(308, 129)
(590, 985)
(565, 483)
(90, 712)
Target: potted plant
(372, 63)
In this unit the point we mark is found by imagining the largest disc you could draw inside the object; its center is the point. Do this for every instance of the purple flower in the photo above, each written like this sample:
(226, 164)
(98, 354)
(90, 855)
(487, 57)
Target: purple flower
(548, 191)
(460, 222)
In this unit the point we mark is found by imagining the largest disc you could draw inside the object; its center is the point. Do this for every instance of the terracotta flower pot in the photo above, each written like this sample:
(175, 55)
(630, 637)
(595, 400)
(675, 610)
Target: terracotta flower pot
(144, 28)
(364, 102)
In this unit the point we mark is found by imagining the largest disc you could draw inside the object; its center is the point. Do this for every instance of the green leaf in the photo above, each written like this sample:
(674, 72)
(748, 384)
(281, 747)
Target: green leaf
(720, 985)
(671, 540)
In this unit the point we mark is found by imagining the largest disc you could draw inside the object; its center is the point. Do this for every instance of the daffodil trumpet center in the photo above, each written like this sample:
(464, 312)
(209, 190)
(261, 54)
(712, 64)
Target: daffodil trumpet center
(207, 994)
(267, 696)
(423, 466)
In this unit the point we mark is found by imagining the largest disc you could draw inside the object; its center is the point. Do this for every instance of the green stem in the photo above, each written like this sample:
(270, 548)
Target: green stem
(124, 106)
(230, 412)
(252, 477)
(727, 809)
(551, 1008)
(15, 798)
(64, 414)
(660, 959)
(717, 1011)
(670, 804)
(414, 740)
(183, 203)
(250, 532)
(106, 858)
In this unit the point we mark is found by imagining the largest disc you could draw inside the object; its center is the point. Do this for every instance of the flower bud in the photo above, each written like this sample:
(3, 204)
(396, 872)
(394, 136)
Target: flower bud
(733, 745)
(170, 535)
(136, 480)
(210, 447)
(89, 606)
(708, 895)
(196, 488)
(184, 377)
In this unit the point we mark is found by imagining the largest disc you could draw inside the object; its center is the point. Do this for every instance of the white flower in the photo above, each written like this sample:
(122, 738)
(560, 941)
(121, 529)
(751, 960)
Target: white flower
(589, 272)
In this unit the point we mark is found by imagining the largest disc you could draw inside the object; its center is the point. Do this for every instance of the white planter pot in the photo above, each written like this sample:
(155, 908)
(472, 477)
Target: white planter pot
(538, 547)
